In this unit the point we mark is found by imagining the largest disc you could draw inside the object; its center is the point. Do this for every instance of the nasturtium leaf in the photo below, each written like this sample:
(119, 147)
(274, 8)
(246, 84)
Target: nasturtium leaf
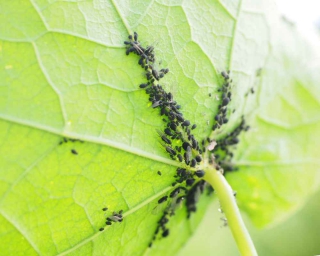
(64, 73)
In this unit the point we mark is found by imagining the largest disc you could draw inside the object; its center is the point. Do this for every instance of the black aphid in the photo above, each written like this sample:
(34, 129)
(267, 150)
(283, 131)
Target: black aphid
(225, 101)
(193, 127)
(225, 75)
(190, 182)
(101, 229)
(199, 173)
(105, 209)
(159, 173)
(164, 138)
(168, 131)
(135, 36)
(162, 199)
(74, 152)
(171, 151)
(198, 158)
(165, 233)
(175, 192)
(142, 86)
(186, 123)
(193, 163)
(109, 223)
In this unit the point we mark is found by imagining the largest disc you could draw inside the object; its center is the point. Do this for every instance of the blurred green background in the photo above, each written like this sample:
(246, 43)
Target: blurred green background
(298, 235)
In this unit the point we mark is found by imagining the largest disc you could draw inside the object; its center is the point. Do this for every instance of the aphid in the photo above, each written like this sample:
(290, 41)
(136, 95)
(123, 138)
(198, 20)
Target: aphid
(194, 143)
(129, 50)
(225, 75)
(165, 233)
(143, 86)
(186, 158)
(190, 181)
(164, 70)
(163, 111)
(198, 158)
(186, 123)
(199, 173)
(225, 101)
(180, 157)
(135, 35)
(185, 145)
(164, 138)
(169, 96)
(180, 118)
(101, 229)
(109, 223)
(162, 199)
(170, 151)
(74, 152)
(193, 163)
(168, 131)
(175, 192)
(159, 173)
(188, 150)
(155, 74)
(210, 94)
(193, 127)
(105, 209)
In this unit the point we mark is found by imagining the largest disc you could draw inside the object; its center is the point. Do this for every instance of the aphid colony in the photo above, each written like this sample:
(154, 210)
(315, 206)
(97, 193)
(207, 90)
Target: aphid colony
(65, 140)
(222, 152)
(115, 217)
(176, 137)
(173, 201)
(221, 116)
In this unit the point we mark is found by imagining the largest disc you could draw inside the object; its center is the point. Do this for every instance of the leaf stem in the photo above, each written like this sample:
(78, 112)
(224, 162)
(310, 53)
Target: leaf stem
(231, 210)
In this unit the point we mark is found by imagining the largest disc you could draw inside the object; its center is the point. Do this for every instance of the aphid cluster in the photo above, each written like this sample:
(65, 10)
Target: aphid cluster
(115, 217)
(222, 151)
(174, 200)
(221, 116)
(176, 138)
(65, 140)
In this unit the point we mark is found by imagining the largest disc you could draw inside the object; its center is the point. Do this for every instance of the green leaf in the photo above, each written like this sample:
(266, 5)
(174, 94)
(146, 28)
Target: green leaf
(64, 72)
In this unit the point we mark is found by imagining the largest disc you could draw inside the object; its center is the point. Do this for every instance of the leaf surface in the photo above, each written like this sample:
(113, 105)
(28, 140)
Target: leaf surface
(64, 73)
